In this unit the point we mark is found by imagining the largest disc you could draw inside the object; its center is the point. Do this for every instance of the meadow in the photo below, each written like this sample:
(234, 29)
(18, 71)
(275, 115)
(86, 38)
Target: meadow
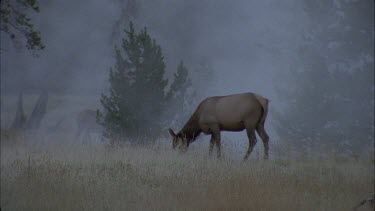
(40, 174)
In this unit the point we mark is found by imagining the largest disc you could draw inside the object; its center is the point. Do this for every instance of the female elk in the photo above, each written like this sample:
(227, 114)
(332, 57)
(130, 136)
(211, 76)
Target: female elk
(226, 113)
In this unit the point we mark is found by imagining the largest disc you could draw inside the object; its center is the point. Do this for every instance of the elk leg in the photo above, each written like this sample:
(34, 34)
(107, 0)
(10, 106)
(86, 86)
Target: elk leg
(212, 143)
(252, 142)
(263, 135)
(218, 146)
(216, 137)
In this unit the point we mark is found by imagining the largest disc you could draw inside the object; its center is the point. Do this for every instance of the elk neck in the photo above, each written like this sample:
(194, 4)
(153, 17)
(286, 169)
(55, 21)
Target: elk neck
(191, 130)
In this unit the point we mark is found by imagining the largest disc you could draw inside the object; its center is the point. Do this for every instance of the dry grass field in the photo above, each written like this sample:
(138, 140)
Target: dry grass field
(68, 176)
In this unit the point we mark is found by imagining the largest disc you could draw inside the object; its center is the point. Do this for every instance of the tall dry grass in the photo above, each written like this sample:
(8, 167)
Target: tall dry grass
(68, 176)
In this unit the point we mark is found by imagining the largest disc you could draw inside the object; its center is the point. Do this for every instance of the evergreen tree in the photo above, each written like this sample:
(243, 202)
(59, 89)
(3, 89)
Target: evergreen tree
(180, 84)
(15, 22)
(179, 96)
(136, 97)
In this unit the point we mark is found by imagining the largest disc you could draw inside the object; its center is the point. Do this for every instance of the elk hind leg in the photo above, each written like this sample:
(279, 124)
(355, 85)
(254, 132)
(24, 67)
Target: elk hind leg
(263, 135)
(252, 141)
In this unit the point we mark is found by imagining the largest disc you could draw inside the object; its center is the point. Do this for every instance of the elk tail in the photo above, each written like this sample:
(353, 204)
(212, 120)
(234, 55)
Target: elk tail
(264, 103)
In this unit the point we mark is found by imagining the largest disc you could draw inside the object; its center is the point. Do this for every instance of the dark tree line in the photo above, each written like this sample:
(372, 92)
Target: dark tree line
(330, 95)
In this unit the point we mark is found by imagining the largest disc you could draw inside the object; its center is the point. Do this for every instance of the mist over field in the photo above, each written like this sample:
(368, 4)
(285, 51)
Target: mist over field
(313, 61)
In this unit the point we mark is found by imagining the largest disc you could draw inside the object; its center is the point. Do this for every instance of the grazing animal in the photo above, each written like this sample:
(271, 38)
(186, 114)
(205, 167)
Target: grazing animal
(87, 124)
(226, 113)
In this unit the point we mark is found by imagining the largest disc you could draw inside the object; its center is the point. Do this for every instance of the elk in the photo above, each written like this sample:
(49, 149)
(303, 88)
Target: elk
(226, 113)
(87, 124)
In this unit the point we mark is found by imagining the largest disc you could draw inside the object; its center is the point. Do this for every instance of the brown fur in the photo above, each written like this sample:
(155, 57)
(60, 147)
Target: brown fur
(226, 113)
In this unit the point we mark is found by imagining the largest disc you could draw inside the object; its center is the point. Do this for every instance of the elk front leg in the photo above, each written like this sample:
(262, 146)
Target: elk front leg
(218, 144)
(212, 142)
(215, 138)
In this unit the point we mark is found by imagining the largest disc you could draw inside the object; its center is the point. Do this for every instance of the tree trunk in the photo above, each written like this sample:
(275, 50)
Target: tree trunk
(38, 113)
(20, 118)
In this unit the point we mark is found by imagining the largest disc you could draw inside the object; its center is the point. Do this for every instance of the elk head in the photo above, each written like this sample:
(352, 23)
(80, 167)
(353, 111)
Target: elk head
(180, 140)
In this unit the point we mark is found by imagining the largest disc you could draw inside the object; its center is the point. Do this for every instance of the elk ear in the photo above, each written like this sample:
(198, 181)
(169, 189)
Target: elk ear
(172, 133)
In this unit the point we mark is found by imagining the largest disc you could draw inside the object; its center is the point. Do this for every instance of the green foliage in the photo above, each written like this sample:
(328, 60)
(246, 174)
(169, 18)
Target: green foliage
(16, 24)
(179, 97)
(181, 83)
(136, 98)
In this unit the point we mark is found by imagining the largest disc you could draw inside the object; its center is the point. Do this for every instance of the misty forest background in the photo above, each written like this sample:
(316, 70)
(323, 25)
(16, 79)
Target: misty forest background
(147, 64)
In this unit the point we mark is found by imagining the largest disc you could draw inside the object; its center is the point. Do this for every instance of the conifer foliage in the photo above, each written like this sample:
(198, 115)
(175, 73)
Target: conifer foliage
(15, 22)
(179, 96)
(137, 98)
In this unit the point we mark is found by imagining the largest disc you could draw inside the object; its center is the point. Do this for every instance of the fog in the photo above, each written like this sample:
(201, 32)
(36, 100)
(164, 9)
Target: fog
(250, 46)
(245, 42)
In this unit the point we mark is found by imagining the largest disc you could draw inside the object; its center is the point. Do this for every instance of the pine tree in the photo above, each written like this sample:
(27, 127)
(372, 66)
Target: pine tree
(180, 96)
(15, 22)
(136, 97)
(180, 84)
